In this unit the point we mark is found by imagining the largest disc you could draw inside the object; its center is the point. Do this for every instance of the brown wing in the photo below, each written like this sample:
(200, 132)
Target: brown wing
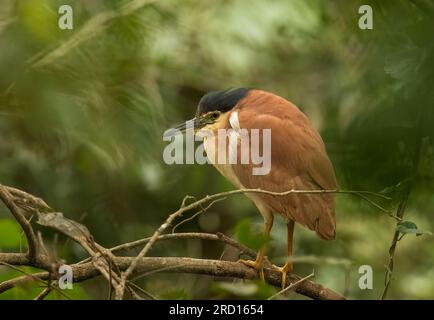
(298, 161)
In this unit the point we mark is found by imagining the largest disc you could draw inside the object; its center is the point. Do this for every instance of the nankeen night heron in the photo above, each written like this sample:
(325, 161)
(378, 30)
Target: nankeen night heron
(299, 161)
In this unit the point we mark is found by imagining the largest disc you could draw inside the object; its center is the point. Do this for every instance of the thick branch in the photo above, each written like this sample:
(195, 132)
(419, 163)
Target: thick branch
(103, 262)
(217, 268)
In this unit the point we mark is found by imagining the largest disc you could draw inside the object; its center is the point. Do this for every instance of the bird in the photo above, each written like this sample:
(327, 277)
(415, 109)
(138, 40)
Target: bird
(299, 161)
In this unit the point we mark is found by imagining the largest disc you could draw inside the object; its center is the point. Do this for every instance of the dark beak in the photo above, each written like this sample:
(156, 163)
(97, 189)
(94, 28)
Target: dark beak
(194, 124)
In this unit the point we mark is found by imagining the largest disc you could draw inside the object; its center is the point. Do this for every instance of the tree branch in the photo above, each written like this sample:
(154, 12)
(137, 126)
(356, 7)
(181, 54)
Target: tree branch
(117, 269)
(32, 241)
(187, 235)
(184, 208)
(216, 268)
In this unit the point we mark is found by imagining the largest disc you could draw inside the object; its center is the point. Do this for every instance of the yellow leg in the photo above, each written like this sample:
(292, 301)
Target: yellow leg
(258, 264)
(288, 267)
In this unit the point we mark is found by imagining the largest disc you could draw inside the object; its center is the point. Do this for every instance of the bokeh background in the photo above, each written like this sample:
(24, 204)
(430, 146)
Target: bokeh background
(82, 113)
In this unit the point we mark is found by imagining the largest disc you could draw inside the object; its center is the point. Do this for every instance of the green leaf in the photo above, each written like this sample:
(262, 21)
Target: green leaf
(407, 226)
(10, 234)
(248, 237)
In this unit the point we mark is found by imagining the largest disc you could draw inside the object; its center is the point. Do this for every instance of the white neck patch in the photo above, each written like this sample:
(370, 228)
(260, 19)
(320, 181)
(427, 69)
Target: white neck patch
(233, 120)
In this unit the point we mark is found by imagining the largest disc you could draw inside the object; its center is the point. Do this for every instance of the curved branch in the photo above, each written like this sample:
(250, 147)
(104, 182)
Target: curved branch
(184, 208)
(117, 269)
(32, 241)
(216, 268)
(186, 235)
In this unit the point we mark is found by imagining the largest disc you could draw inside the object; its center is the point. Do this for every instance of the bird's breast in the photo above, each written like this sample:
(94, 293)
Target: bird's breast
(220, 158)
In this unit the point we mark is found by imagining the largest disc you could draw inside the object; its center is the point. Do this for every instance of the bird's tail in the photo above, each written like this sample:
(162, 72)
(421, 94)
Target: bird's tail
(319, 213)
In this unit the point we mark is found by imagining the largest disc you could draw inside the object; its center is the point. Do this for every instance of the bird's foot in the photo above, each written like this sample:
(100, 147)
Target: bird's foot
(257, 265)
(288, 267)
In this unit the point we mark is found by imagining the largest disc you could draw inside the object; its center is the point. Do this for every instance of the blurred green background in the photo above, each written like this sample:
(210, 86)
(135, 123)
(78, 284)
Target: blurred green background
(82, 113)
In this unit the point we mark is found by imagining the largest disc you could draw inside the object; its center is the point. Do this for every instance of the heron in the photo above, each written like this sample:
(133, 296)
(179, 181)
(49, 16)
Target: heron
(299, 161)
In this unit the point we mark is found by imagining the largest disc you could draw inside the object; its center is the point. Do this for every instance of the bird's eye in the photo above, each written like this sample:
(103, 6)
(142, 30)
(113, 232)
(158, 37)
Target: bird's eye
(215, 115)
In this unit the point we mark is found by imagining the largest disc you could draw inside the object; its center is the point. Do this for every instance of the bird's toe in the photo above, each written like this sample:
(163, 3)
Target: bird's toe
(258, 266)
(287, 268)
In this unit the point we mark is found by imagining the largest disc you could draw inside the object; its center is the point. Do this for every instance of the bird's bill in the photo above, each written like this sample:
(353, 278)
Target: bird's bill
(195, 124)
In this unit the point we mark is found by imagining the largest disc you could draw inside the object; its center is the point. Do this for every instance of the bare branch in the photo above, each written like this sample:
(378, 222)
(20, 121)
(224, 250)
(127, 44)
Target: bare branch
(32, 241)
(213, 198)
(44, 293)
(186, 235)
(143, 291)
(26, 200)
(117, 269)
(196, 214)
(217, 268)
(32, 277)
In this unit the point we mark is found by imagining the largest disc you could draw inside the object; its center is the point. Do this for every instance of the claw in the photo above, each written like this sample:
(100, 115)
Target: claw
(288, 267)
(257, 265)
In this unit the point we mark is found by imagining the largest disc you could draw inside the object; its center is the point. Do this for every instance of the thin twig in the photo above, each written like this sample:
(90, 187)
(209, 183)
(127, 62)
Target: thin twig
(403, 204)
(134, 293)
(196, 214)
(291, 286)
(376, 205)
(146, 293)
(41, 243)
(44, 293)
(392, 249)
(242, 248)
(33, 277)
(185, 235)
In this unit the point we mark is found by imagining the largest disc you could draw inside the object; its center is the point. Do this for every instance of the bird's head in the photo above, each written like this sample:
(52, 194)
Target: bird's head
(212, 108)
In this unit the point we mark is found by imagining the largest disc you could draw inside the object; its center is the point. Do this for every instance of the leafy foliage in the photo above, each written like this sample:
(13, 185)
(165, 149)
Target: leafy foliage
(406, 227)
(84, 130)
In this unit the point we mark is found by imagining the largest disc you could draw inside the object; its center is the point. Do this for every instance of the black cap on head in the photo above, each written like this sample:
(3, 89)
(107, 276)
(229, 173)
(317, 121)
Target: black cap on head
(222, 101)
